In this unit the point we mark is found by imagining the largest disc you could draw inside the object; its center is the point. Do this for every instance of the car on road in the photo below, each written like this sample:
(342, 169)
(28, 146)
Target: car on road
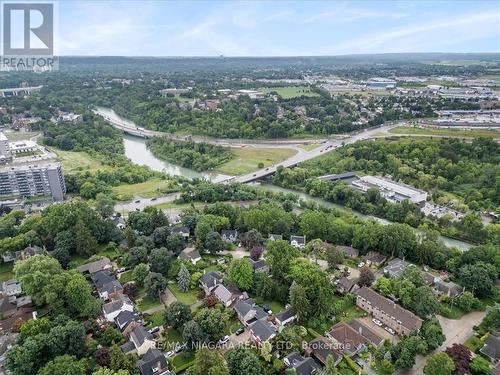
(138, 201)
(390, 330)
(153, 199)
(377, 322)
(254, 174)
(239, 331)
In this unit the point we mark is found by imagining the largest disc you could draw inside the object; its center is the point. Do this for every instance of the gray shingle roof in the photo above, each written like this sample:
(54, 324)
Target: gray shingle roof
(152, 360)
(263, 329)
(140, 334)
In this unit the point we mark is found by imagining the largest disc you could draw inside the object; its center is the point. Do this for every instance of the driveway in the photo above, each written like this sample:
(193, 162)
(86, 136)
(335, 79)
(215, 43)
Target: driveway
(238, 253)
(234, 340)
(456, 331)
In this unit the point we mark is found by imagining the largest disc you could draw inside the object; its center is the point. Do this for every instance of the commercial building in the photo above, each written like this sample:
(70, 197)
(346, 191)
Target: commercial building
(390, 190)
(31, 180)
(18, 147)
(4, 148)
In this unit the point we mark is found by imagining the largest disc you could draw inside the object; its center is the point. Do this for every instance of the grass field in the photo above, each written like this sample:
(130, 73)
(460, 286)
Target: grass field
(275, 306)
(77, 161)
(289, 92)
(19, 135)
(447, 132)
(6, 271)
(493, 77)
(188, 298)
(147, 303)
(310, 147)
(247, 159)
(148, 189)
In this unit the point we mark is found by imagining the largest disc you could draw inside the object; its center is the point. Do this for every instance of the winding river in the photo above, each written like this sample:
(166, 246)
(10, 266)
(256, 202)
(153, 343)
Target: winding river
(137, 151)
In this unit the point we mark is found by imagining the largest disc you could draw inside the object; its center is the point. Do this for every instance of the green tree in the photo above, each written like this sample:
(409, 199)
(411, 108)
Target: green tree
(35, 273)
(140, 273)
(366, 277)
(212, 322)
(479, 278)
(192, 334)
(121, 361)
(424, 302)
(330, 368)
(184, 279)
(107, 371)
(432, 333)
(214, 243)
(160, 261)
(177, 314)
(266, 351)
(241, 273)
(175, 243)
(439, 364)
(63, 365)
(299, 302)
(243, 361)
(104, 205)
(86, 244)
(479, 366)
(155, 284)
(208, 362)
(279, 255)
(252, 238)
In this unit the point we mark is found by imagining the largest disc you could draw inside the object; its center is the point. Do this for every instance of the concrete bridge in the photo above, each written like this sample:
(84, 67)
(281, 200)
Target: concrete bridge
(19, 90)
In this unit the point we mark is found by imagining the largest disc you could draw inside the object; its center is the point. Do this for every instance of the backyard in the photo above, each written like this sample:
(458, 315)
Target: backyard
(188, 298)
(6, 271)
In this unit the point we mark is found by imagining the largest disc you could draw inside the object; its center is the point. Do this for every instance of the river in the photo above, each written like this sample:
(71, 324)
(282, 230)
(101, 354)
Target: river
(137, 151)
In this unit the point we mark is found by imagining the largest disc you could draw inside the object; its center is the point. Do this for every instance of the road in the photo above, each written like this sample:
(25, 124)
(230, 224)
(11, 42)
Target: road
(140, 203)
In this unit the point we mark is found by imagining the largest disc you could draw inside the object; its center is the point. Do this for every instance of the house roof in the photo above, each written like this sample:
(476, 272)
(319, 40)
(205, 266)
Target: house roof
(29, 252)
(116, 304)
(345, 283)
(223, 293)
(322, 347)
(127, 347)
(374, 257)
(491, 347)
(347, 336)
(211, 278)
(407, 318)
(183, 230)
(448, 287)
(301, 240)
(152, 360)
(11, 285)
(111, 287)
(263, 329)
(258, 264)
(396, 267)
(348, 250)
(124, 318)
(275, 237)
(228, 232)
(100, 278)
(140, 334)
(307, 366)
(242, 307)
(189, 254)
(366, 332)
(429, 278)
(284, 315)
(95, 266)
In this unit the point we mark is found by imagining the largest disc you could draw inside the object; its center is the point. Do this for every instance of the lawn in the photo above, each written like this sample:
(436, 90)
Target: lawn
(275, 306)
(182, 361)
(148, 189)
(125, 277)
(188, 298)
(147, 303)
(19, 135)
(247, 159)
(289, 92)
(310, 147)
(6, 271)
(447, 132)
(155, 319)
(77, 161)
(172, 337)
(473, 343)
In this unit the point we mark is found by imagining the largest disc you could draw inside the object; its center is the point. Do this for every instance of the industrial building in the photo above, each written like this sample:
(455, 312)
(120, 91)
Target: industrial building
(390, 190)
(44, 179)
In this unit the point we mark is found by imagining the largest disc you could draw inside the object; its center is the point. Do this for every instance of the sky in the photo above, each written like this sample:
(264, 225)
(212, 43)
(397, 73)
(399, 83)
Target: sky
(275, 28)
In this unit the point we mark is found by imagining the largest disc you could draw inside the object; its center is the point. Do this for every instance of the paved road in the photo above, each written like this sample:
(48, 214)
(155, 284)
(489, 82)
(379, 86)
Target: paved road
(456, 331)
(141, 203)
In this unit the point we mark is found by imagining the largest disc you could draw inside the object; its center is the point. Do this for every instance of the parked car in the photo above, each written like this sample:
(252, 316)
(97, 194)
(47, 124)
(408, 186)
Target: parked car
(170, 353)
(377, 322)
(390, 330)
(153, 199)
(239, 331)
(138, 201)
(154, 330)
(266, 308)
(362, 264)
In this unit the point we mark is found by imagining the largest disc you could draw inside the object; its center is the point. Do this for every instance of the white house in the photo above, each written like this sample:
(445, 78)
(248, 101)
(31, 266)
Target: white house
(112, 309)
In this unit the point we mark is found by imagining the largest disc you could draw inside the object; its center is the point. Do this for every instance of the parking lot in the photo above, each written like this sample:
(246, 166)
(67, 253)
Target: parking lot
(367, 320)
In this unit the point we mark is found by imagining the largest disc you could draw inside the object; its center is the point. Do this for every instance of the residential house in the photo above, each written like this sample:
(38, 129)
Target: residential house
(183, 231)
(8, 257)
(344, 286)
(429, 278)
(302, 365)
(259, 265)
(191, 255)
(298, 241)
(388, 312)
(374, 258)
(96, 266)
(11, 288)
(349, 252)
(395, 267)
(119, 222)
(226, 294)
(449, 289)
(366, 332)
(153, 363)
(248, 311)
(283, 318)
(321, 347)
(112, 309)
(261, 331)
(209, 281)
(491, 347)
(348, 340)
(28, 252)
(15, 309)
(229, 235)
(124, 318)
(106, 284)
(275, 237)
(140, 341)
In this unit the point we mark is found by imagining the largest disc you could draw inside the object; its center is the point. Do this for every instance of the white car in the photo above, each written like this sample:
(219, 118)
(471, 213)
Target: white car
(390, 330)
(362, 264)
(377, 322)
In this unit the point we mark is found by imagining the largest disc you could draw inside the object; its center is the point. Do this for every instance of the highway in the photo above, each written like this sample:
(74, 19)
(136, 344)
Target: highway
(301, 155)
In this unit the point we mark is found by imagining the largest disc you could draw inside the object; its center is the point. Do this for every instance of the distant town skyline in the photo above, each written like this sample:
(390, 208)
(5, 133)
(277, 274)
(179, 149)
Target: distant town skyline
(280, 28)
